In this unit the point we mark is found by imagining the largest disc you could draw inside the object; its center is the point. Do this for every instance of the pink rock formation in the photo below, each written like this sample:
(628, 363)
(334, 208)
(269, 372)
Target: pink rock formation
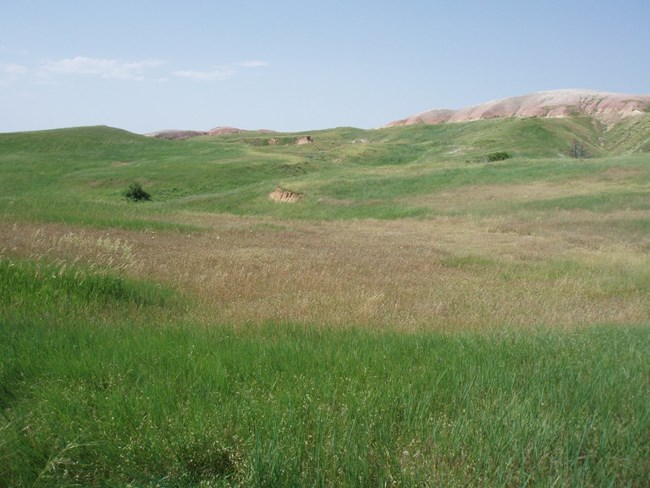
(606, 107)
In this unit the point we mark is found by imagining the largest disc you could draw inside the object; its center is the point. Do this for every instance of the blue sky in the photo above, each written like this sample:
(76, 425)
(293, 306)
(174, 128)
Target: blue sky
(299, 65)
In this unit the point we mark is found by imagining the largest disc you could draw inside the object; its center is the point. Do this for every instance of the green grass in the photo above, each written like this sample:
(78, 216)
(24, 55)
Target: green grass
(346, 173)
(631, 135)
(125, 400)
(436, 180)
(58, 293)
(110, 378)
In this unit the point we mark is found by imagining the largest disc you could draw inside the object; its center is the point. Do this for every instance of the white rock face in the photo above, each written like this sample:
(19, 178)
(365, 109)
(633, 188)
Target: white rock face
(606, 107)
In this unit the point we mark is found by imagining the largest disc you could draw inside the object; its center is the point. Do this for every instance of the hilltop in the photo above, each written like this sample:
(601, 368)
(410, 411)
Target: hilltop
(174, 134)
(606, 122)
(605, 107)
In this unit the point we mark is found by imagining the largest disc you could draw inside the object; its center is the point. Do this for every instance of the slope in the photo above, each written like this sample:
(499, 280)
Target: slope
(606, 107)
(80, 174)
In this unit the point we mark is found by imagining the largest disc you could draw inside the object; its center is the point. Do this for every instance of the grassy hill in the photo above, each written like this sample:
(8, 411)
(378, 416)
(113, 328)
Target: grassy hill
(450, 305)
(345, 173)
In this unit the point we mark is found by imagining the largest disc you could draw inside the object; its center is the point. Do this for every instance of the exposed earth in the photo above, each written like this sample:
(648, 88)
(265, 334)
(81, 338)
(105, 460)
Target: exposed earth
(606, 107)
(217, 131)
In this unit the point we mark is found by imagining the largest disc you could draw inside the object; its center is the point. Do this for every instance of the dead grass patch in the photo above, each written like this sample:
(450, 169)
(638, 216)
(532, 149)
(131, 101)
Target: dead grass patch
(366, 273)
(285, 196)
(587, 230)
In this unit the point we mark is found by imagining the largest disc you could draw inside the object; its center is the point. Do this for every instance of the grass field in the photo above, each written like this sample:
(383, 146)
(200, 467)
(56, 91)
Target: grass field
(424, 316)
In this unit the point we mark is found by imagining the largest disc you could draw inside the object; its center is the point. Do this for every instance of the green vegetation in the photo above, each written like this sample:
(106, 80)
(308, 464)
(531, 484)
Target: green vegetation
(58, 293)
(492, 157)
(344, 174)
(498, 156)
(117, 400)
(136, 193)
(414, 320)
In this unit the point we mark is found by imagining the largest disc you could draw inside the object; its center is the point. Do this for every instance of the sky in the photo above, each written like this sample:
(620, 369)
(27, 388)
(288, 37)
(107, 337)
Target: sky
(302, 65)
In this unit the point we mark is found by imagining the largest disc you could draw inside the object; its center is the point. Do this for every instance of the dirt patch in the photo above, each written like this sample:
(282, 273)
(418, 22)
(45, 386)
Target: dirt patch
(285, 196)
(304, 140)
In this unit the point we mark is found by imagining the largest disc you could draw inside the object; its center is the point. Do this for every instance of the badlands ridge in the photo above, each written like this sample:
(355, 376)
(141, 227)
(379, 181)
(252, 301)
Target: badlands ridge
(608, 108)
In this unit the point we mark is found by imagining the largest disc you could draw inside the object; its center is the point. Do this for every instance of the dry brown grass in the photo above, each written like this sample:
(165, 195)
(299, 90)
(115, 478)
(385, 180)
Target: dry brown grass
(445, 273)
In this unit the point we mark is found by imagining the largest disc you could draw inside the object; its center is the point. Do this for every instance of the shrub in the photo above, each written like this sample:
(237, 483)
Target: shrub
(136, 193)
(577, 149)
(498, 156)
(491, 158)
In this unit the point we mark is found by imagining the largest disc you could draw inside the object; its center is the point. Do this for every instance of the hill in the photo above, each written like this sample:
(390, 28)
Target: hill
(173, 134)
(439, 305)
(603, 106)
(345, 173)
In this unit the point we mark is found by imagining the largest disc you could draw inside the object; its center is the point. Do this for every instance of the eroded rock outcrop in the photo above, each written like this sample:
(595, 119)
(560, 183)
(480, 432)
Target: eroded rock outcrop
(176, 134)
(304, 140)
(285, 196)
(607, 107)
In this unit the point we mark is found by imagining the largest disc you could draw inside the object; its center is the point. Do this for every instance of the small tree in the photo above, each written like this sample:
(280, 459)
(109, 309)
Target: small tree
(136, 193)
(578, 150)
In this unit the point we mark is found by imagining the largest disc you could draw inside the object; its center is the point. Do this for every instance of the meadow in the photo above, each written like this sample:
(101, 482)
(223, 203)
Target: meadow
(454, 305)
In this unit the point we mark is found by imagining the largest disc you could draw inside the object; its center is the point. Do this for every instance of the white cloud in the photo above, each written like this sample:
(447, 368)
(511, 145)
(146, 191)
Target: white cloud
(219, 73)
(13, 69)
(104, 68)
(119, 70)
(10, 72)
(254, 64)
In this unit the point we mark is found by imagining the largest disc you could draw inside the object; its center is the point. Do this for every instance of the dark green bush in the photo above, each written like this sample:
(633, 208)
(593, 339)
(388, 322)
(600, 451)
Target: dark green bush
(136, 193)
(497, 156)
(492, 157)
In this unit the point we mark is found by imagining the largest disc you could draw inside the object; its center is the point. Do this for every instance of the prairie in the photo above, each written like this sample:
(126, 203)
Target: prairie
(423, 316)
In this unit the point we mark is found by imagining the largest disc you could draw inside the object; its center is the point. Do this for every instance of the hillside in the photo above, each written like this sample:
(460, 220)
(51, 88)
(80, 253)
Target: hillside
(605, 107)
(173, 134)
(445, 305)
(345, 173)
(472, 196)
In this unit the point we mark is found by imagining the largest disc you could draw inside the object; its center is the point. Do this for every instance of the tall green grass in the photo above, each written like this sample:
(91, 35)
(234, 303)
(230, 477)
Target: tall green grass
(158, 402)
(36, 290)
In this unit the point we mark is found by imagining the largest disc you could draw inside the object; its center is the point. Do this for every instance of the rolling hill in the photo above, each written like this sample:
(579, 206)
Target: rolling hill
(605, 107)
(458, 304)
(345, 173)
